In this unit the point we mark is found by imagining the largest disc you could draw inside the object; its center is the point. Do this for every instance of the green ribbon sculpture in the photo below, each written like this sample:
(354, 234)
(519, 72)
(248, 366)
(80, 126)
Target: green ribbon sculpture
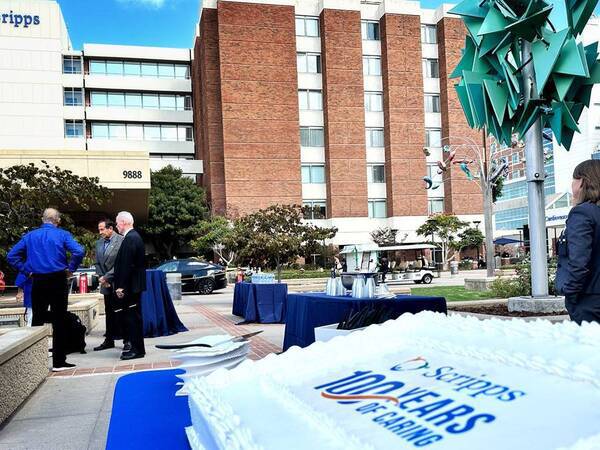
(492, 86)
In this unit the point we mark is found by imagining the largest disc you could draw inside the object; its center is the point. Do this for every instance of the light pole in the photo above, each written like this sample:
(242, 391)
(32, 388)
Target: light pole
(476, 223)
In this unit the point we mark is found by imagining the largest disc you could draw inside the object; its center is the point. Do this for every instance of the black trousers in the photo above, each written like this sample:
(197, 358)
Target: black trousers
(583, 307)
(51, 290)
(113, 328)
(129, 309)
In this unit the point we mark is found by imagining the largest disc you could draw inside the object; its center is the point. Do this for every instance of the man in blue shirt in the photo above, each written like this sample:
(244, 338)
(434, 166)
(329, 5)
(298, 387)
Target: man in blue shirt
(42, 255)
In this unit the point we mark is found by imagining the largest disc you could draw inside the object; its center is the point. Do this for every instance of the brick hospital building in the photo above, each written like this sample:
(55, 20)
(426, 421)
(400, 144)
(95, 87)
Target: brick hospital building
(330, 103)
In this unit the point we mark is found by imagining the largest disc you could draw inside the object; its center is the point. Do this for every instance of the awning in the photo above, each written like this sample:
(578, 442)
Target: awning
(506, 241)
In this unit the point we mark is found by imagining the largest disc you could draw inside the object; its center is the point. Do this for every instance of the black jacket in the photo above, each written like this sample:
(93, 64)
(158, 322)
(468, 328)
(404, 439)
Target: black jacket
(130, 267)
(578, 270)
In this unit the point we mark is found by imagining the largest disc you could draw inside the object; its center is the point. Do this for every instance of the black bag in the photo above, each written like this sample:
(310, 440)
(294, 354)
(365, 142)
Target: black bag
(75, 334)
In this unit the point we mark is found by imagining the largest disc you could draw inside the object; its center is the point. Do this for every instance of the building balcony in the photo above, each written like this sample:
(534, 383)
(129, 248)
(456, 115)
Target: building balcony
(116, 82)
(160, 147)
(113, 114)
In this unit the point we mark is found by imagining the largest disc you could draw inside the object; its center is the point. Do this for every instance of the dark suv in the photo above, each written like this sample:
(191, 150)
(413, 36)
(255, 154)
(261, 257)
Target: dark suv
(196, 275)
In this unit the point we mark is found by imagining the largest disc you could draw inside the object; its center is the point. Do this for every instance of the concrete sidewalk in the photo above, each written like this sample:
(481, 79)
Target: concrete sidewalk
(71, 410)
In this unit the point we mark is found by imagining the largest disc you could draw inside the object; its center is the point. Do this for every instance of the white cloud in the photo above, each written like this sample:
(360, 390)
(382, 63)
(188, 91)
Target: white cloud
(149, 3)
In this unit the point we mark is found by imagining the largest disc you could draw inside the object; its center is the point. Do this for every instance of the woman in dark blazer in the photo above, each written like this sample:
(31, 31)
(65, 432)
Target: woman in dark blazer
(578, 272)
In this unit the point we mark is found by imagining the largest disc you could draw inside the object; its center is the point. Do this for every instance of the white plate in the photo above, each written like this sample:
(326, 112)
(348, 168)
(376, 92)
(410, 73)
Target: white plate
(194, 360)
(205, 370)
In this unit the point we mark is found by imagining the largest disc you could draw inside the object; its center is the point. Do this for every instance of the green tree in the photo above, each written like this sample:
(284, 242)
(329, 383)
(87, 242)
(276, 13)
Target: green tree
(497, 189)
(384, 236)
(467, 238)
(277, 235)
(26, 190)
(175, 207)
(216, 234)
(446, 228)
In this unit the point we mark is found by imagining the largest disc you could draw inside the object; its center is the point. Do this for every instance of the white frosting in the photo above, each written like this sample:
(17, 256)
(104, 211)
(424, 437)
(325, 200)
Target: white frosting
(564, 350)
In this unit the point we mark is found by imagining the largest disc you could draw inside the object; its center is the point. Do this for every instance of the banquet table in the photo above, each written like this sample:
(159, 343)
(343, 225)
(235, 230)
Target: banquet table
(262, 303)
(309, 310)
(158, 312)
(146, 414)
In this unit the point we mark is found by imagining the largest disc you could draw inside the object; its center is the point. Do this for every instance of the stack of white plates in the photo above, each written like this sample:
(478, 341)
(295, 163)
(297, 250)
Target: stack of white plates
(199, 361)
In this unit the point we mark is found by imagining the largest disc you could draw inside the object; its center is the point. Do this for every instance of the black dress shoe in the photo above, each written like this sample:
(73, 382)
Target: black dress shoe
(125, 356)
(126, 347)
(105, 345)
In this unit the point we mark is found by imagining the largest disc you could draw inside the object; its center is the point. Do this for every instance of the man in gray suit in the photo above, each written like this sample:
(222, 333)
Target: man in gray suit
(107, 248)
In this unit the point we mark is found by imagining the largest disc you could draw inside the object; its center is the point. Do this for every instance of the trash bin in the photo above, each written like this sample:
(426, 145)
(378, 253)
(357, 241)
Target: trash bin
(174, 285)
(453, 267)
(439, 267)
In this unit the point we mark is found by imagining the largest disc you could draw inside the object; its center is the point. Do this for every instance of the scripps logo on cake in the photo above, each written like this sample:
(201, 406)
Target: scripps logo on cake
(17, 20)
(417, 363)
(419, 402)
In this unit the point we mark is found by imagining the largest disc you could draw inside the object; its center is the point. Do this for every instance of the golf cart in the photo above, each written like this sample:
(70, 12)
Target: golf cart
(363, 258)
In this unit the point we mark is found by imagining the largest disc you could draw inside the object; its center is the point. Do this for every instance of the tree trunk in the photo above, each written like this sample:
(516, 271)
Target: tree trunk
(489, 231)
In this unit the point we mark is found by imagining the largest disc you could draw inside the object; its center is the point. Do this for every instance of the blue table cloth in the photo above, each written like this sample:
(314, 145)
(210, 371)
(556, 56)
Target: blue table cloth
(147, 415)
(262, 303)
(158, 312)
(309, 310)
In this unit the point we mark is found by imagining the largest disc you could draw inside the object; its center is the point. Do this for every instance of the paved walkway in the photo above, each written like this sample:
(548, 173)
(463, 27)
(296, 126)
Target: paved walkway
(71, 410)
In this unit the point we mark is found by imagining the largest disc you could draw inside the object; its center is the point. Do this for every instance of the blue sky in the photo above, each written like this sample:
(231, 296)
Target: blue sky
(161, 23)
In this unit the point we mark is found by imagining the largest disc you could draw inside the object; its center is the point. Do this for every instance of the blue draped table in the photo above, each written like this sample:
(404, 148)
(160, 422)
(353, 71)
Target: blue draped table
(307, 311)
(146, 414)
(158, 313)
(262, 303)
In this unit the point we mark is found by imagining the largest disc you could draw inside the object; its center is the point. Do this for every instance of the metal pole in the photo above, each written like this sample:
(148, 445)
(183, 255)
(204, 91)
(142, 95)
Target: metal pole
(488, 211)
(534, 155)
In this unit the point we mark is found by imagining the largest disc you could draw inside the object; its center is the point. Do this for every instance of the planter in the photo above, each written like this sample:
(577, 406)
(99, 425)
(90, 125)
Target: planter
(23, 365)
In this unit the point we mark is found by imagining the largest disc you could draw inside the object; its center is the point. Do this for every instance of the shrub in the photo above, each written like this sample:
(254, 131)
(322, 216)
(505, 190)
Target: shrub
(521, 284)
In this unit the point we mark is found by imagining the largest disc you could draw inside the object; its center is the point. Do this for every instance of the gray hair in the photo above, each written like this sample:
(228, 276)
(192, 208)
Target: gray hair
(125, 217)
(51, 215)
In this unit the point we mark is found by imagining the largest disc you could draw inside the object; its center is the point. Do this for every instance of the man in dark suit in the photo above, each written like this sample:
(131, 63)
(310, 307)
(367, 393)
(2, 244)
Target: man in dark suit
(107, 248)
(129, 281)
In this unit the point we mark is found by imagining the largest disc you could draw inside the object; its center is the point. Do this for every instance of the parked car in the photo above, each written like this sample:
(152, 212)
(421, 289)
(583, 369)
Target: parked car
(196, 275)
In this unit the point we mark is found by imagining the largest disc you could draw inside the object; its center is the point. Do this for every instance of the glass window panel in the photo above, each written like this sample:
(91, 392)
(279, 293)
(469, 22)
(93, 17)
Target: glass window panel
(99, 131)
(377, 173)
(312, 27)
(132, 69)
(374, 101)
(182, 71)
(317, 137)
(149, 70)
(98, 99)
(135, 132)
(375, 137)
(73, 129)
(116, 99)
(370, 31)
(319, 210)
(97, 67)
(188, 102)
(313, 63)
(180, 102)
(117, 131)
(432, 103)
(315, 100)
(114, 67)
(435, 205)
(304, 137)
(71, 64)
(166, 70)
(189, 134)
(133, 100)
(150, 101)
(374, 66)
(301, 61)
(152, 132)
(303, 99)
(305, 174)
(300, 26)
(433, 137)
(167, 102)
(73, 97)
(168, 132)
(317, 174)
